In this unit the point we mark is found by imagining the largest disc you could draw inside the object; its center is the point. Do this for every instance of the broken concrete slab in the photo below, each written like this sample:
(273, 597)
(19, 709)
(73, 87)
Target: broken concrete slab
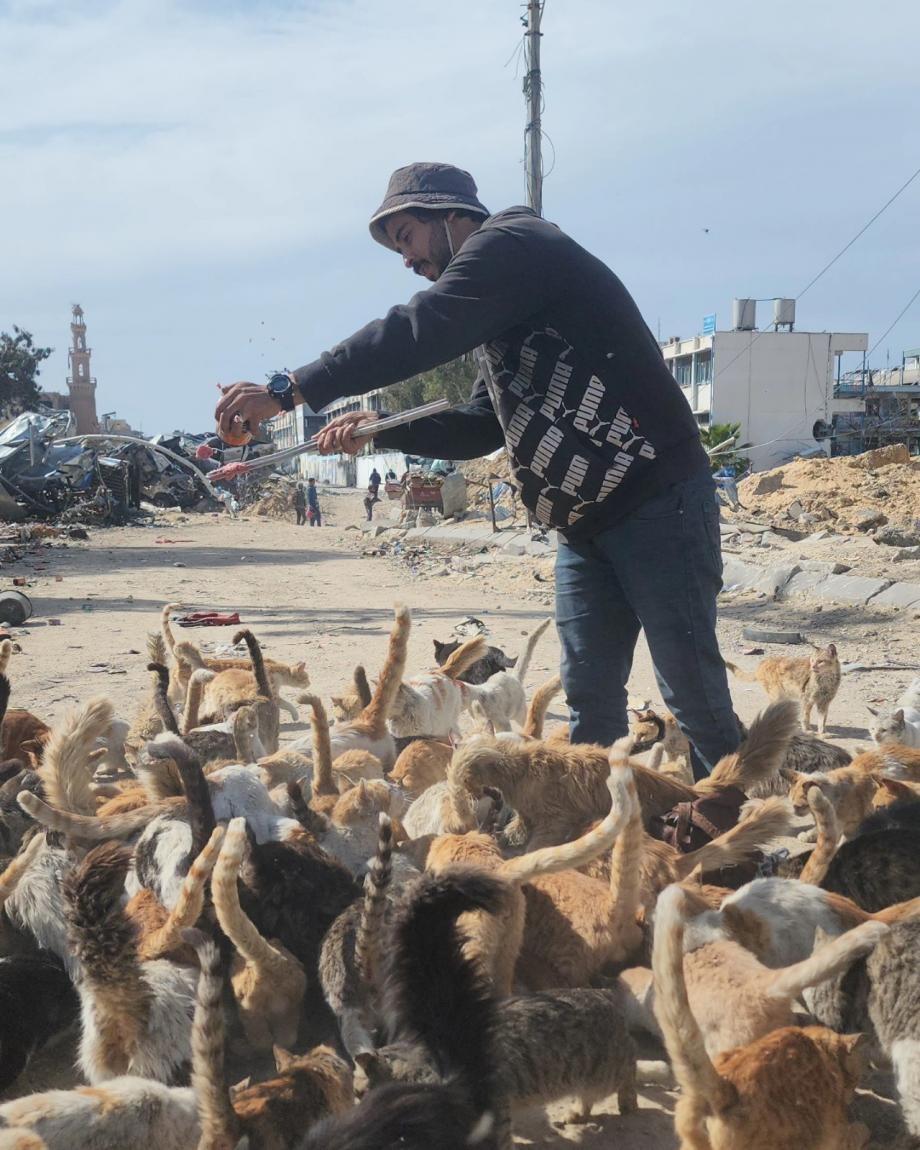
(738, 575)
(804, 583)
(821, 565)
(898, 595)
(849, 588)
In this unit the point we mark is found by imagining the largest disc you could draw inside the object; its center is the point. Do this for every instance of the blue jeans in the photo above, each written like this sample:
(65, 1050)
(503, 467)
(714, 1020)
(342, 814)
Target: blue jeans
(659, 569)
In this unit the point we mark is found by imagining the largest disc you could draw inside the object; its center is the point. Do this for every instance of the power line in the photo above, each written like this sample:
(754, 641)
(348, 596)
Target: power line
(901, 315)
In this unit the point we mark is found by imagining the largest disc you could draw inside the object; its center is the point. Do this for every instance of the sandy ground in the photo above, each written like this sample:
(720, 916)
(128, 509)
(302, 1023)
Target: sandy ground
(310, 594)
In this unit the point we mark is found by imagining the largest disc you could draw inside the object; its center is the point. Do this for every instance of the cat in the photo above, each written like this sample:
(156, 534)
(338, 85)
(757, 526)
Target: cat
(539, 705)
(806, 754)
(445, 808)
(880, 996)
(490, 663)
(422, 764)
(351, 955)
(430, 705)
(734, 998)
(236, 687)
(894, 727)
(268, 981)
(501, 700)
(557, 788)
(270, 1115)
(22, 734)
(850, 790)
(552, 1045)
(432, 992)
(136, 1017)
(148, 722)
(875, 870)
(352, 703)
(67, 765)
(894, 760)
(236, 738)
(369, 731)
(351, 836)
(788, 1090)
(815, 681)
(910, 702)
(40, 981)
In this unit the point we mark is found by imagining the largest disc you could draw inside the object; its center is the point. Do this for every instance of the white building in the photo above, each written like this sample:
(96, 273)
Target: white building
(290, 428)
(779, 385)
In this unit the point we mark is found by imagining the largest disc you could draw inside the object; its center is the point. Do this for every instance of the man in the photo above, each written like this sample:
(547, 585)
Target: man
(313, 512)
(374, 481)
(603, 445)
(369, 500)
(300, 504)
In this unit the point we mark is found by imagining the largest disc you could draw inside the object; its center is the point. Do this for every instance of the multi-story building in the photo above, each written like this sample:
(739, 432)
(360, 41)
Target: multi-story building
(780, 385)
(290, 428)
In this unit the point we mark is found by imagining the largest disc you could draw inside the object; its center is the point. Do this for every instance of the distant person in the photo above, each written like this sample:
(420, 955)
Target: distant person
(391, 476)
(604, 447)
(300, 504)
(314, 514)
(375, 481)
(369, 500)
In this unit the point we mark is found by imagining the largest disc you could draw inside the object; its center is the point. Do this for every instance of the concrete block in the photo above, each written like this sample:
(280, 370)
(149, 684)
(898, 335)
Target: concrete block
(897, 595)
(804, 583)
(774, 579)
(821, 566)
(849, 588)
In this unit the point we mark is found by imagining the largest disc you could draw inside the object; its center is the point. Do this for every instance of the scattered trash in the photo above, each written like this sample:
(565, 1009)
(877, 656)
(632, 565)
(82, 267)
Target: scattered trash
(15, 608)
(758, 635)
(208, 619)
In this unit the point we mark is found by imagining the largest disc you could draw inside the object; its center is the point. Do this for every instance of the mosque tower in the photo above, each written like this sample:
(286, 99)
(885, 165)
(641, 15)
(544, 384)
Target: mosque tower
(80, 382)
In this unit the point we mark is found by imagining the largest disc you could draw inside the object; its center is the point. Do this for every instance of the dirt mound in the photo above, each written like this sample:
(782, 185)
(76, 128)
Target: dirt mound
(479, 472)
(849, 493)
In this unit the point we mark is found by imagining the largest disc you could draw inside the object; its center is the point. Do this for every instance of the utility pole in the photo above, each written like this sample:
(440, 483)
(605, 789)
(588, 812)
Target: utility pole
(533, 94)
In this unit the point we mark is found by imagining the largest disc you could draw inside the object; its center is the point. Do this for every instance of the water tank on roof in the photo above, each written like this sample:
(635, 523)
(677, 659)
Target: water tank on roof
(783, 313)
(744, 314)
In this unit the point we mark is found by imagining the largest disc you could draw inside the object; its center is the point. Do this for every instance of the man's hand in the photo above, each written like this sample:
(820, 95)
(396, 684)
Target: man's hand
(250, 401)
(348, 433)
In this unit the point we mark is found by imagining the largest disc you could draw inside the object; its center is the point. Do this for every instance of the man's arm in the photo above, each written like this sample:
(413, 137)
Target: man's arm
(496, 280)
(465, 432)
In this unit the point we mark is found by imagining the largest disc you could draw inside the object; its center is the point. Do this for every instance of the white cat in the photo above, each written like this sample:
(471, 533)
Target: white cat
(501, 699)
(910, 702)
(894, 727)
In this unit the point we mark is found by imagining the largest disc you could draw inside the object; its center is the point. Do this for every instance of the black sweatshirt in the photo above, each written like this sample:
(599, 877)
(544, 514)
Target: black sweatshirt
(571, 379)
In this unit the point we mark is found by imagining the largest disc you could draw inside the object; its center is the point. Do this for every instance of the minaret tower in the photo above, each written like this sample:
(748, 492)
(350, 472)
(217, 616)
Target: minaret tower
(80, 382)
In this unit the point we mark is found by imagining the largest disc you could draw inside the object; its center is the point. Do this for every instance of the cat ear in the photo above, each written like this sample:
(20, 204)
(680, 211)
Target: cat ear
(895, 787)
(898, 716)
(853, 1042)
(832, 650)
(240, 1086)
(283, 1058)
(871, 710)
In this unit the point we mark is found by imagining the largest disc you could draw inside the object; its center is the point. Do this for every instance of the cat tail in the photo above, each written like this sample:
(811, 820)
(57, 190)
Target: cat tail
(459, 662)
(523, 663)
(220, 1128)
(189, 904)
(373, 908)
(829, 960)
(900, 912)
(258, 663)
(626, 862)
(706, 1090)
(88, 827)
(375, 714)
(460, 814)
(624, 806)
(436, 995)
(161, 697)
(744, 676)
(539, 705)
(767, 820)
(761, 754)
(104, 941)
(299, 794)
(166, 630)
(194, 784)
(323, 783)
(156, 647)
(197, 685)
(234, 921)
(18, 865)
(187, 653)
(828, 836)
(362, 687)
(6, 651)
(66, 768)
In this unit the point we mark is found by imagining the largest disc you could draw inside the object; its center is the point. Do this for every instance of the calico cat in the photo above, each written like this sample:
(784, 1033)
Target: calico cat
(268, 981)
(270, 1115)
(490, 663)
(815, 681)
(433, 993)
(557, 1044)
(40, 981)
(788, 1090)
(880, 996)
(556, 788)
(352, 703)
(136, 1016)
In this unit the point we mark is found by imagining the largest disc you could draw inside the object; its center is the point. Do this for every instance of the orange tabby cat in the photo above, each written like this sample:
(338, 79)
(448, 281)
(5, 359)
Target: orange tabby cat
(850, 791)
(786, 1091)
(814, 681)
(422, 764)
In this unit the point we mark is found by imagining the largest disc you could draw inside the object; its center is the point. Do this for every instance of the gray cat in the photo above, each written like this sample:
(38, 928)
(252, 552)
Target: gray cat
(551, 1045)
(880, 995)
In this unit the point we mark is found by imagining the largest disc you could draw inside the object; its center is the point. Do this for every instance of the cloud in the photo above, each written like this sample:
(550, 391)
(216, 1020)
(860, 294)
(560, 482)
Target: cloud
(182, 168)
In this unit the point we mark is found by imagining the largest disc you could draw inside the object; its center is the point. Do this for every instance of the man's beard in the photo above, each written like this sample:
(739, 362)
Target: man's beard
(439, 255)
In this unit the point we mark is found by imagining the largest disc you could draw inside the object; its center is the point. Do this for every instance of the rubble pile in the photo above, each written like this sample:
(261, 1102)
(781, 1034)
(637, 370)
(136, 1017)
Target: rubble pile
(875, 493)
(273, 500)
(493, 470)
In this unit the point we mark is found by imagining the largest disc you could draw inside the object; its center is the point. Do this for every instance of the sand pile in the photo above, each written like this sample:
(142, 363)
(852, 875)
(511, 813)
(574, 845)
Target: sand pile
(276, 502)
(849, 493)
(482, 471)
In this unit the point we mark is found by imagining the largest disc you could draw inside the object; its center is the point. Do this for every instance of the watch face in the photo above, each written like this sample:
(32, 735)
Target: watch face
(279, 383)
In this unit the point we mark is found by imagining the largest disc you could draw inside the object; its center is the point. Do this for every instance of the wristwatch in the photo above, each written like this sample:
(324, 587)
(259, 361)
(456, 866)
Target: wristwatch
(280, 387)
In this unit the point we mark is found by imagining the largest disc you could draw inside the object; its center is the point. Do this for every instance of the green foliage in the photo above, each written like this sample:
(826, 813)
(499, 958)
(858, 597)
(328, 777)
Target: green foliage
(717, 433)
(19, 360)
(453, 381)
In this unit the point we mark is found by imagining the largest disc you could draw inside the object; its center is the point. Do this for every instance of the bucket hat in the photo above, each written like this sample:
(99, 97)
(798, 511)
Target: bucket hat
(431, 186)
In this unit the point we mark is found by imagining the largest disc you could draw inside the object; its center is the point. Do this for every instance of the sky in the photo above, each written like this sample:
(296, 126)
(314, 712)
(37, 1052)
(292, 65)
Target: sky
(198, 175)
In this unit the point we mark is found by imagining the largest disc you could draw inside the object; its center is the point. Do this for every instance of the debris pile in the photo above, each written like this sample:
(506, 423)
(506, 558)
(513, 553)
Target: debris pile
(875, 493)
(493, 471)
